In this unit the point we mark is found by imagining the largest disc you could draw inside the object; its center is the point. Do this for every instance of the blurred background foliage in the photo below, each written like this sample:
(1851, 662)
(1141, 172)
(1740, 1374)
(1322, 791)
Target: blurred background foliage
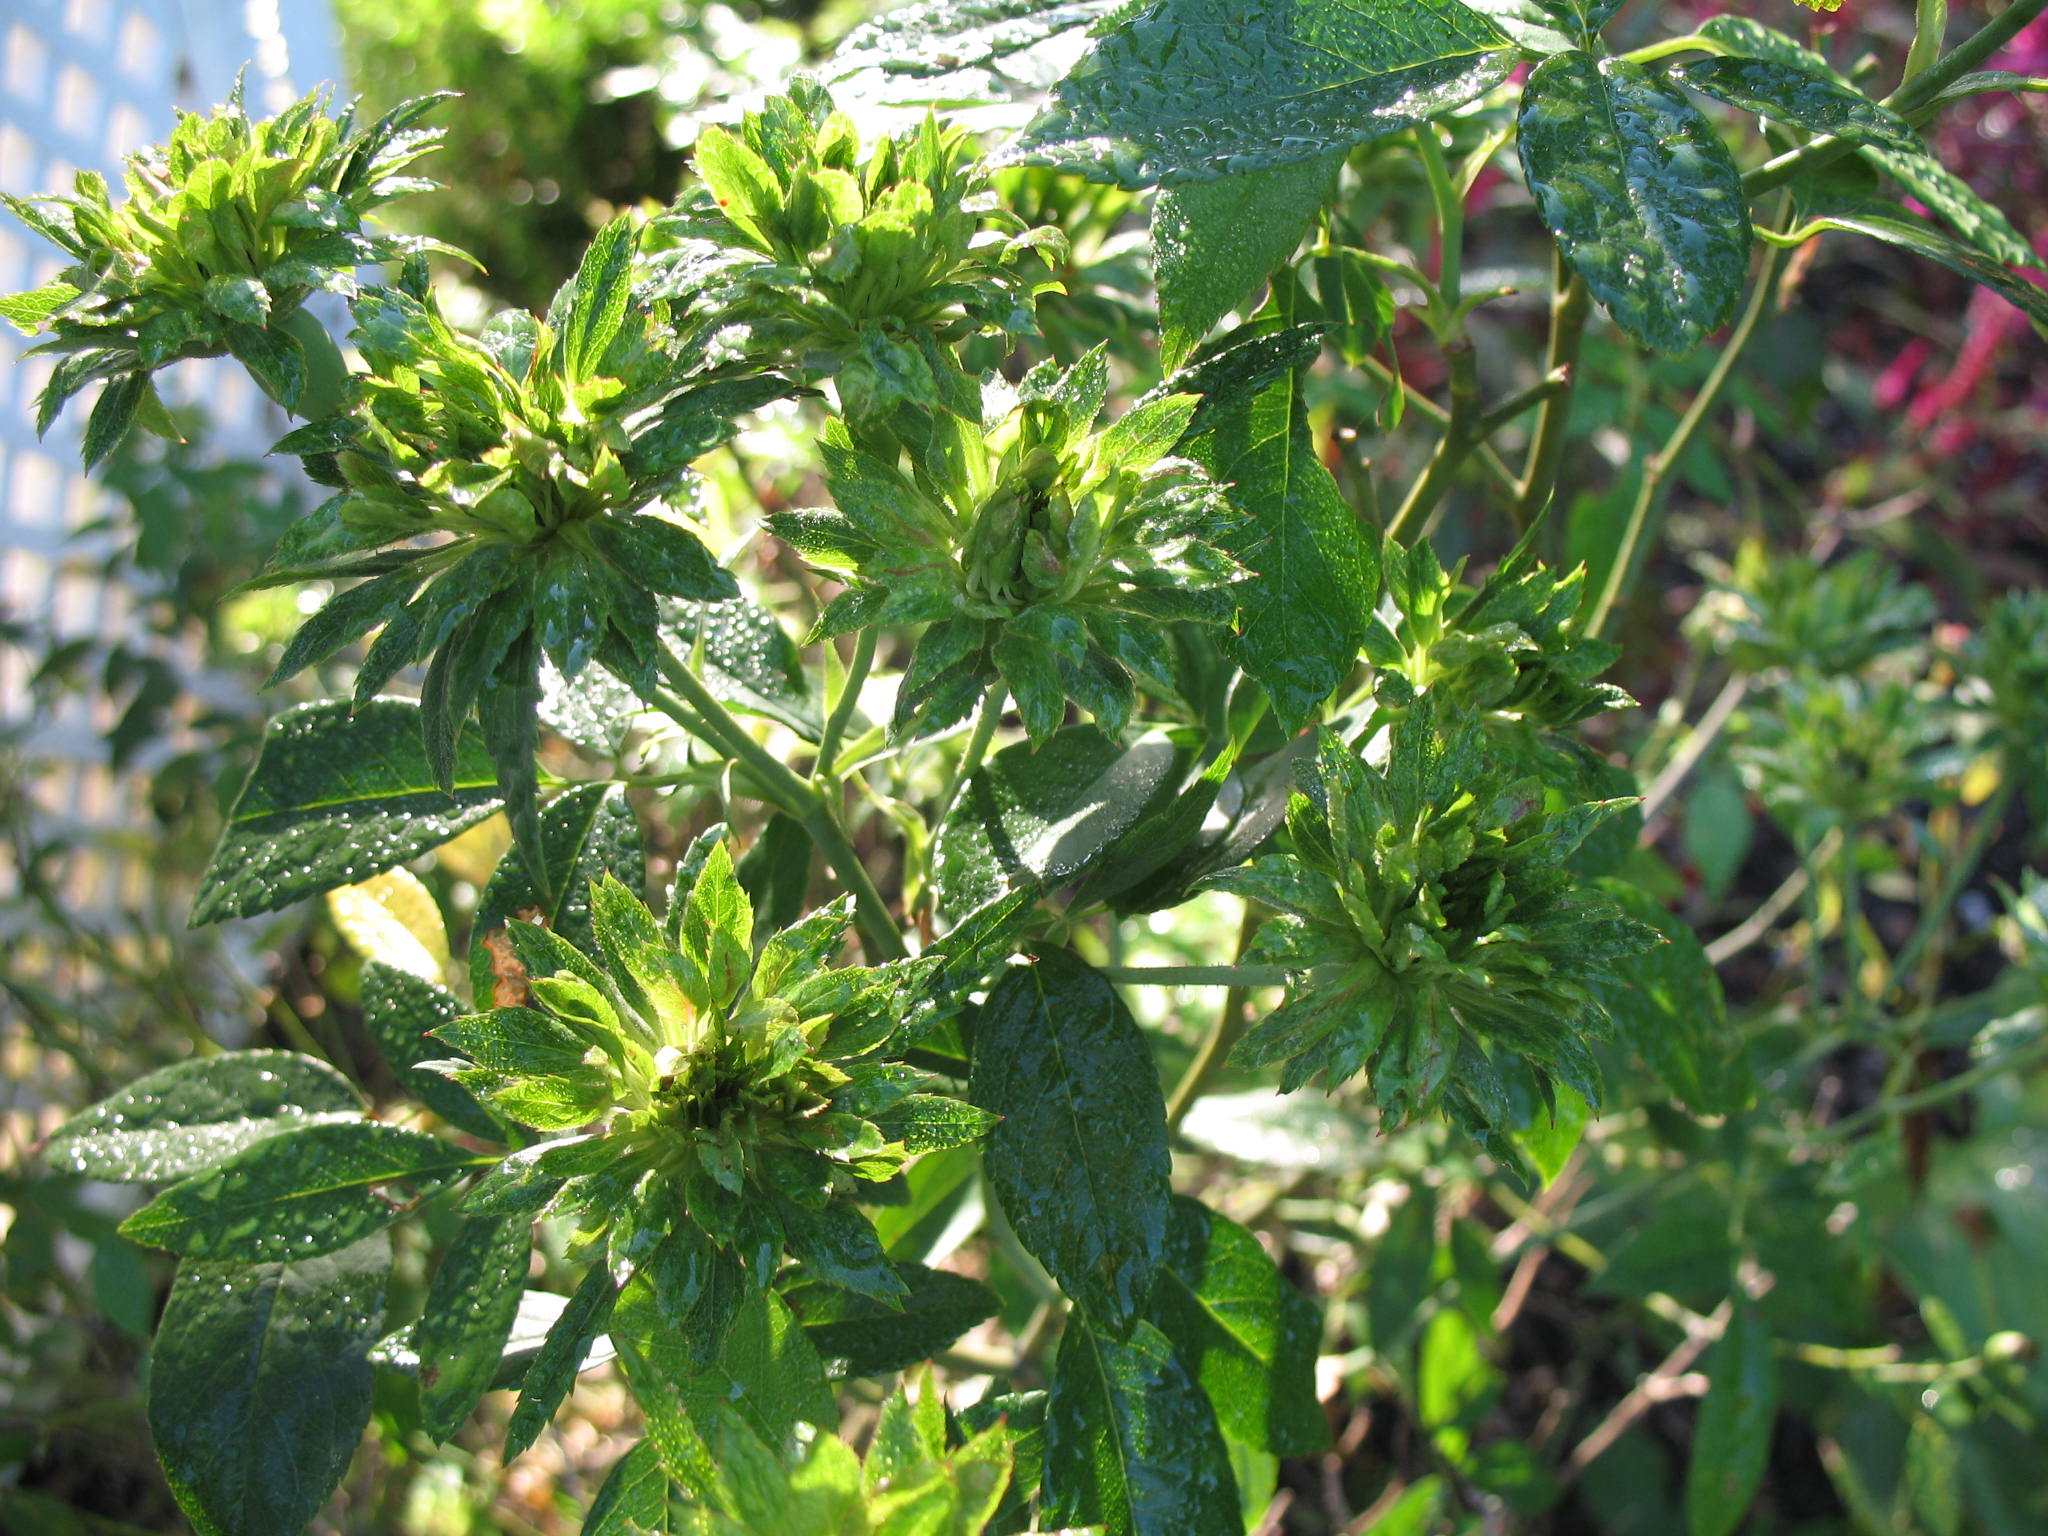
(1496, 1358)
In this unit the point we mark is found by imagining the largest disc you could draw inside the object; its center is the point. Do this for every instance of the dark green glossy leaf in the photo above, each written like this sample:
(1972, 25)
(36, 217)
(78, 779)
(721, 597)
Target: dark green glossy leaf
(562, 1354)
(1079, 1160)
(634, 1498)
(1956, 202)
(1039, 818)
(335, 797)
(1667, 1007)
(744, 655)
(260, 1385)
(1895, 227)
(1643, 197)
(467, 1317)
(1215, 241)
(662, 556)
(305, 1192)
(1242, 1331)
(588, 832)
(195, 1115)
(1131, 1443)
(399, 1009)
(1733, 1441)
(1303, 613)
(839, 1246)
(1800, 98)
(111, 415)
(863, 1337)
(1190, 90)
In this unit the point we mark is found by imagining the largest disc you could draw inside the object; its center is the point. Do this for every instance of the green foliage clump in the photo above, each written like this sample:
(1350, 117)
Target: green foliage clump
(226, 230)
(1044, 555)
(861, 270)
(1432, 931)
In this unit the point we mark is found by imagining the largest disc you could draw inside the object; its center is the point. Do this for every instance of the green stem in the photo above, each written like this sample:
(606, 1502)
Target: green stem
(1570, 304)
(1694, 747)
(849, 700)
(977, 748)
(786, 792)
(1960, 869)
(1223, 1034)
(1450, 221)
(1452, 447)
(1657, 468)
(1497, 471)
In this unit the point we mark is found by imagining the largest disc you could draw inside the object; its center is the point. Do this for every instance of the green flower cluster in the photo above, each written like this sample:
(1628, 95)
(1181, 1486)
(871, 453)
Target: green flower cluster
(1042, 554)
(1847, 752)
(728, 1107)
(225, 231)
(1511, 648)
(1432, 934)
(542, 457)
(865, 271)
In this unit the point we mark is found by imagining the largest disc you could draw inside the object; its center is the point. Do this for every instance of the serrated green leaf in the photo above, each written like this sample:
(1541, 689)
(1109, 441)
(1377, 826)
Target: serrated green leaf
(562, 1354)
(1800, 98)
(1895, 227)
(761, 1364)
(1733, 1441)
(662, 556)
(1955, 201)
(1079, 1160)
(337, 795)
(467, 1317)
(929, 1122)
(839, 1246)
(1216, 241)
(1246, 1335)
(1189, 90)
(864, 1337)
(1303, 613)
(299, 1194)
(112, 414)
(1035, 818)
(634, 1498)
(399, 1009)
(1131, 1442)
(186, 1118)
(1643, 197)
(601, 287)
(260, 1385)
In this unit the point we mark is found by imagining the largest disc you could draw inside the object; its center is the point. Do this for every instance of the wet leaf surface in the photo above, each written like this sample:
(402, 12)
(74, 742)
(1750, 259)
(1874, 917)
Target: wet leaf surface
(193, 1116)
(1079, 1161)
(1303, 613)
(1800, 98)
(858, 1336)
(308, 1191)
(1246, 1335)
(1643, 197)
(260, 1385)
(398, 1012)
(1189, 90)
(1040, 818)
(469, 1312)
(337, 796)
(1131, 1442)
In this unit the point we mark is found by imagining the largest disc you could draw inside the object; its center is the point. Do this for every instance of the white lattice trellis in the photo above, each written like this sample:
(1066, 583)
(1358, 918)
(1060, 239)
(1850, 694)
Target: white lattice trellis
(83, 83)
